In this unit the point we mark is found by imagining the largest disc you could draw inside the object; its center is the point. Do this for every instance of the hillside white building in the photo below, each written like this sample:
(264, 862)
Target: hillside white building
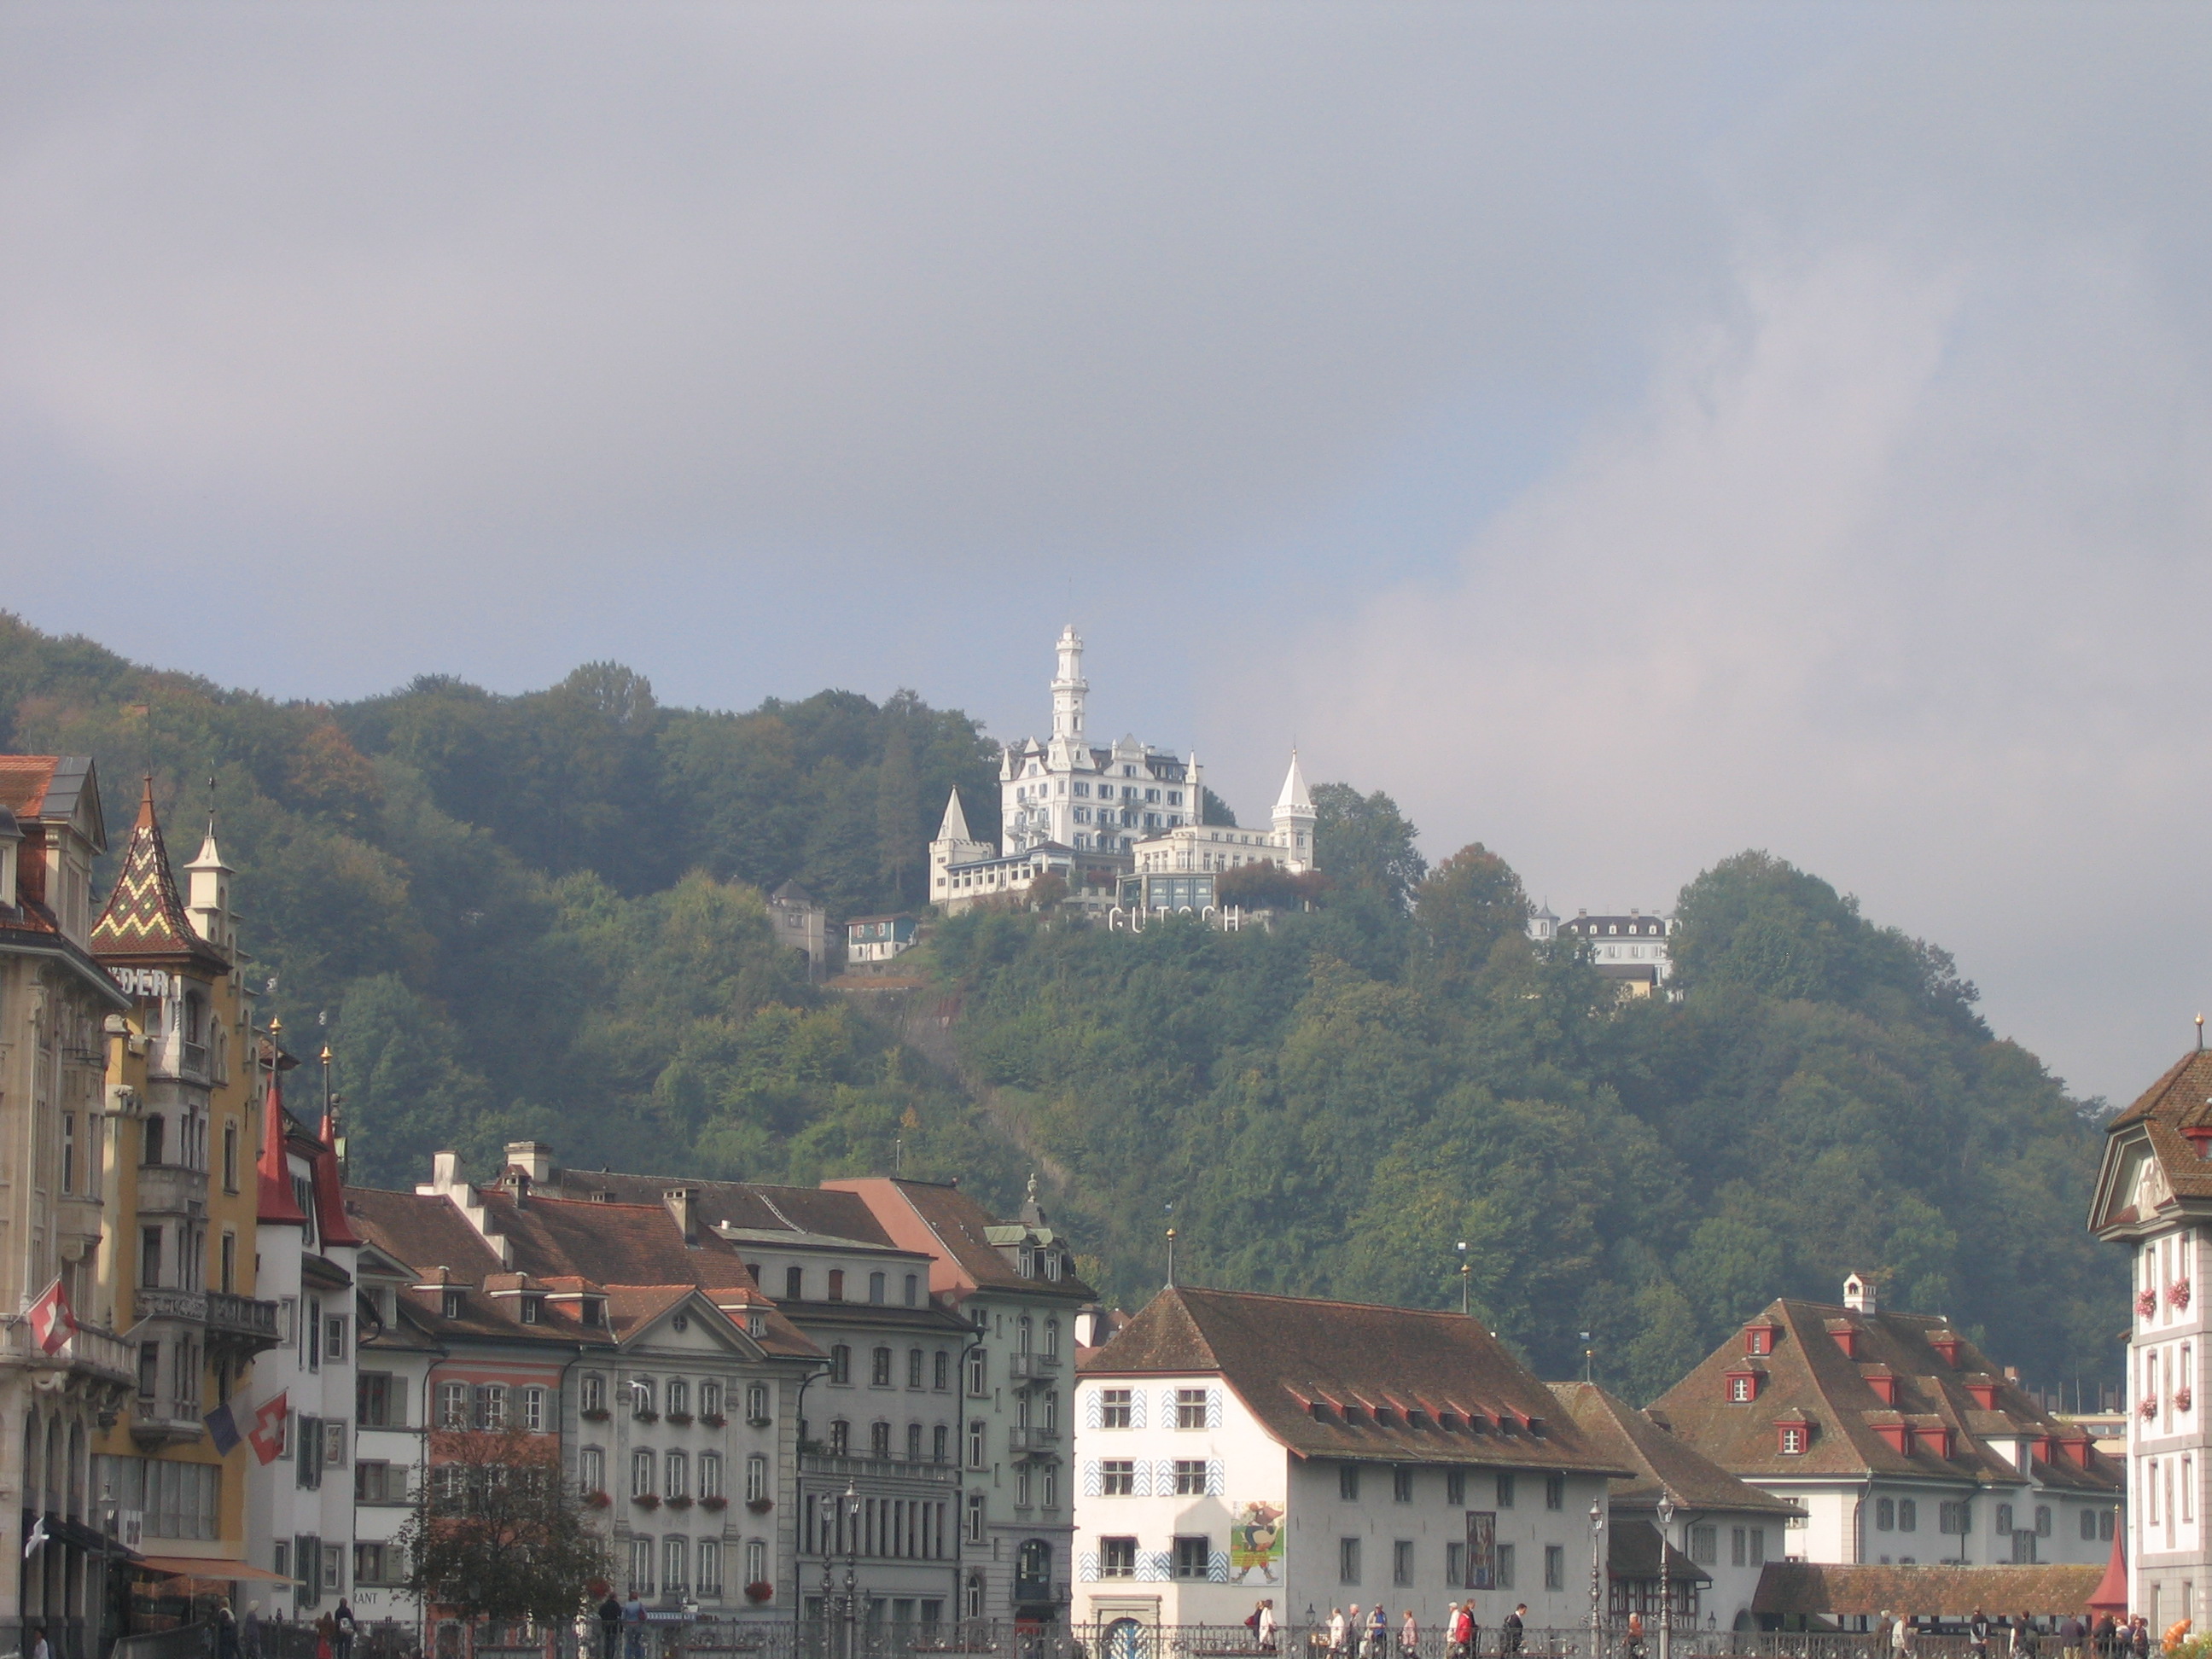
(1090, 814)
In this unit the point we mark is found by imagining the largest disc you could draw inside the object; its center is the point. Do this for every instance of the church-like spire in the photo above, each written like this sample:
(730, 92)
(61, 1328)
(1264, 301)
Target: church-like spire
(1068, 687)
(955, 827)
(1294, 797)
(145, 914)
(277, 1202)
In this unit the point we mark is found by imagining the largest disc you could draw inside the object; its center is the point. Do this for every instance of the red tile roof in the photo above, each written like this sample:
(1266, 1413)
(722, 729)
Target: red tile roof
(1812, 1589)
(948, 1223)
(1422, 1387)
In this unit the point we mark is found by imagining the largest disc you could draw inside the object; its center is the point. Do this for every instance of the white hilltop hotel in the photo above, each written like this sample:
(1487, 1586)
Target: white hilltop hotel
(1121, 824)
(1631, 950)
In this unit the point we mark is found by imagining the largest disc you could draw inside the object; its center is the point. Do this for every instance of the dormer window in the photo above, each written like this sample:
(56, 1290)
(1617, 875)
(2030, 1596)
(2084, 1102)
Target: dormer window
(1792, 1435)
(595, 1312)
(453, 1300)
(1759, 1340)
(533, 1309)
(1742, 1388)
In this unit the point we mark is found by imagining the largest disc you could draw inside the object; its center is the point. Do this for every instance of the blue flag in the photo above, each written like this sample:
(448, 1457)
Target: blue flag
(222, 1429)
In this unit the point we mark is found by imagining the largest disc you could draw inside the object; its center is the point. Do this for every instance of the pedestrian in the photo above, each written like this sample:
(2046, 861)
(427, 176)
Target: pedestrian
(2101, 1636)
(2023, 1637)
(226, 1630)
(1336, 1631)
(1635, 1642)
(343, 1627)
(1409, 1636)
(1455, 1622)
(325, 1633)
(1509, 1634)
(1265, 1628)
(611, 1618)
(1901, 1635)
(1978, 1635)
(249, 1634)
(38, 1648)
(2072, 1635)
(634, 1616)
(1377, 1644)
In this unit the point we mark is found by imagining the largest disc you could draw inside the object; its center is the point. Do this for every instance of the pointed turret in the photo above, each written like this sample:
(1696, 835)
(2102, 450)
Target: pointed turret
(1294, 820)
(955, 826)
(145, 914)
(210, 893)
(277, 1205)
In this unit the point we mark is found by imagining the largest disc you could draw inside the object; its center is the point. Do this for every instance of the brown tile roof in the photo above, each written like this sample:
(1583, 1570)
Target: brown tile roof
(1625, 1436)
(2180, 1100)
(144, 915)
(1808, 1375)
(1812, 1589)
(956, 1225)
(736, 1203)
(429, 1235)
(1414, 1381)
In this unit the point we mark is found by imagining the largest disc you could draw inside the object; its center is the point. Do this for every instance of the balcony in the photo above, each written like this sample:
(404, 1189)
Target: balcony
(1026, 1443)
(241, 1319)
(1031, 1367)
(1033, 1591)
(172, 1189)
(877, 1468)
(190, 1306)
(166, 1422)
(104, 1362)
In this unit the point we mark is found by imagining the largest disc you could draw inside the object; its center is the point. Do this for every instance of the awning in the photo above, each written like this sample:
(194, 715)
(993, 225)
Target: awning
(213, 1568)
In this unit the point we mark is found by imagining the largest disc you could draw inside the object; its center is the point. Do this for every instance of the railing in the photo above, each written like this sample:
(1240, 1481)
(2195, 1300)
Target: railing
(184, 1642)
(1033, 1590)
(195, 1057)
(1128, 1639)
(100, 1351)
(1028, 1367)
(173, 1304)
(241, 1314)
(1032, 1440)
(877, 1468)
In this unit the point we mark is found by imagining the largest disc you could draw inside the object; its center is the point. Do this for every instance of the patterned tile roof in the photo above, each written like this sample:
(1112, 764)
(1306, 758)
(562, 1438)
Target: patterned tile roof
(145, 914)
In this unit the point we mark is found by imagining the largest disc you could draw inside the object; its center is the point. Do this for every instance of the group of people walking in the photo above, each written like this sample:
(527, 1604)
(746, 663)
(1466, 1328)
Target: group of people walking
(1354, 1636)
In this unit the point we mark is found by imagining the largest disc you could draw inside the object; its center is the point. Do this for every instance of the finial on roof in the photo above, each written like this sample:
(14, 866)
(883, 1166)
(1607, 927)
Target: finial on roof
(2200, 1033)
(1031, 1194)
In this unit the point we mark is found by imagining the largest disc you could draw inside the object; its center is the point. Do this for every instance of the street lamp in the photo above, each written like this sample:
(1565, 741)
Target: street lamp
(1466, 1275)
(1597, 1579)
(828, 1551)
(852, 1571)
(1666, 1574)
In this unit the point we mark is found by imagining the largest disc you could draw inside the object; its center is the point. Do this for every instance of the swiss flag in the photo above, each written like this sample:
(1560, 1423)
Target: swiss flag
(266, 1436)
(53, 1321)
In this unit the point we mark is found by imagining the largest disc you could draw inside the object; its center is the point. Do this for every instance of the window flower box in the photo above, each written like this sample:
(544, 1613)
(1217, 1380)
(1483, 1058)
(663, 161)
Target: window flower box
(2149, 1409)
(682, 1419)
(760, 1505)
(757, 1422)
(593, 1414)
(645, 1414)
(2183, 1400)
(646, 1500)
(679, 1502)
(714, 1420)
(597, 1500)
(759, 1590)
(2146, 1304)
(717, 1503)
(2178, 1293)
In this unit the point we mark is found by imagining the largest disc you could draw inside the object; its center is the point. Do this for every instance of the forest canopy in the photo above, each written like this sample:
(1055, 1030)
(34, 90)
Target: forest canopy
(543, 915)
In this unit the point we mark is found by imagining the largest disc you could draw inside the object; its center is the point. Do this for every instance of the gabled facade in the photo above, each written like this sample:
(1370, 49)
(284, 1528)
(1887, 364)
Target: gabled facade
(60, 1011)
(1901, 1441)
(2153, 1197)
(1718, 1539)
(1235, 1448)
(1014, 1285)
(178, 1269)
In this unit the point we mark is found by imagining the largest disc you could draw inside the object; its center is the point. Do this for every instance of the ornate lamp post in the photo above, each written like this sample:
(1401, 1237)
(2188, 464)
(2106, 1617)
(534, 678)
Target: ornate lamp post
(1597, 1579)
(828, 1551)
(1666, 1574)
(852, 1572)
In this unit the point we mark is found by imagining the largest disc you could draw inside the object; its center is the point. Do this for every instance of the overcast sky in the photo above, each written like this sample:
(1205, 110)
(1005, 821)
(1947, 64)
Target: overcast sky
(1625, 434)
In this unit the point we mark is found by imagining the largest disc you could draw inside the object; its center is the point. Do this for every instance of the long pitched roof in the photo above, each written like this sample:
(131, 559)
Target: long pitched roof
(1661, 1461)
(1809, 1376)
(1814, 1589)
(820, 1212)
(959, 1229)
(144, 915)
(1358, 1382)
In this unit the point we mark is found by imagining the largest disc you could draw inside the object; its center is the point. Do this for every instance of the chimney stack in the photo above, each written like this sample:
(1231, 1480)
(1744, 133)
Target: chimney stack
(1860, 1295)
(533, 1157)
(682, 1204)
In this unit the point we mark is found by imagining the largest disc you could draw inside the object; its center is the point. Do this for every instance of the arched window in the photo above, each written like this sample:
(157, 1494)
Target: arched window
(880, 1371)
(679, 1475)
(640, 1474)
(755, 1479)
(1052, 1338)
(710, 1474)
(1022, 1335)
(641, 1397)
(840, 1363)
(679, 1397)
(710, 1400)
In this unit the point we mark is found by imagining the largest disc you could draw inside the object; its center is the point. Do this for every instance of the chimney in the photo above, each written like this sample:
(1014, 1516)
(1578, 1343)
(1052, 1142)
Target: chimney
(1860, 1295)
(682, 1204)
(533, 1157)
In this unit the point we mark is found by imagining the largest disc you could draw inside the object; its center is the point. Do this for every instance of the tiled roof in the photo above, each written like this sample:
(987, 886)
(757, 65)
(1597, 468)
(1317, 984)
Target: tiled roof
(2180, 1100)
(736, 1203)
(144, 915)
(1419, 1387)
(1807, 1375)
(1625, 1436)
(956, 1226)
(1810, 1588)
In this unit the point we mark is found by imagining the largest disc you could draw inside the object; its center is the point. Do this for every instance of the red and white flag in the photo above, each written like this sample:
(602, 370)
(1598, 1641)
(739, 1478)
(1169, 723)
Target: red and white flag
(266, 1436)
(53, 1321)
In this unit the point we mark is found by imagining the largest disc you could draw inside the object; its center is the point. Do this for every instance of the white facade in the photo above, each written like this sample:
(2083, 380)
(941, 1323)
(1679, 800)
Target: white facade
(2170, 1571)
(1183, 1491)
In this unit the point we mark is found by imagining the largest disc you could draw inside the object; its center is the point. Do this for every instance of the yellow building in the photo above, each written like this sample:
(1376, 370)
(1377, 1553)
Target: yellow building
(177, 1266)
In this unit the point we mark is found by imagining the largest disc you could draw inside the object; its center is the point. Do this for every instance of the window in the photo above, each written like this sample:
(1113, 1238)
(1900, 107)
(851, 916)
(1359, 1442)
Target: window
(975, 1445)
(1113, 1408)
(880, 1371)
(2089, 1526)
(1193, 1557)
(230, 1157)
(1401, 1485)
(976, 1377)
(1348, 1560)
(369, 1564)
(1455, 1491)
(334, 1445)
(2004, 1519)
(913, 1291)
(591, 1469)
(879, 1440)
(1401, 1561)
(68, 1152)
(1506, 1489)
(1021, 1486)
(642, 1470)
(1954, 1517)
(334, 1337)
(940, 1444)
(1885, 1515)
(1555, 1567)
(756, 1562)
(149, 1257)
(1739, 1547)
(679, 1397)
(1505, 1566)
(374, 1483)
(1793, 1441)
(1704, 1546)
(841, 1437)
(1739, 1389)
(1117, 1557)
(976, 1530)
(794, 1280)
(836, 1283)
(757, 1405)
(533, 1410)
(913, 1442)
(755, 1479)
(1117, 1478)
(840, 1363)
(709, 1557)
(307, 1465)
(1190, 1408)
(640, 1566)
(2042, 1516)
(593, 1395)
(1757, 1547)
(710, 1474)
(227, 1271)
(452, 1304)
(490, 1404)
(1456, 1565)
(1190, 1477)
(940, 1372)
(1052, 1485)
(452, 1405)
(914, 1368)
(675, 1565)
(1052, 1338)
(1908, 1515)
(1555, 1492)
(1347, 1482)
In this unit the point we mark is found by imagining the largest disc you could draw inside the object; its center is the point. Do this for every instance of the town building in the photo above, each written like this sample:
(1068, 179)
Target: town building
(800, 923)
(59, 1011)
(178, 1269)
(871, 940)
(1718, 1534)
(1901, 1441)
(634, 1333)
(1631, 950)
(1014, 1283)
(1093, 814)
(299, 1508)
(1237, 1447)
(2154, 1197)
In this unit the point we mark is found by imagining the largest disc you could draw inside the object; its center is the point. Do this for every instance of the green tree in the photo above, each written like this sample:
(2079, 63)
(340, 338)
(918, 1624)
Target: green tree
(1363, 842)
(494, 1534)
(1469, 903)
